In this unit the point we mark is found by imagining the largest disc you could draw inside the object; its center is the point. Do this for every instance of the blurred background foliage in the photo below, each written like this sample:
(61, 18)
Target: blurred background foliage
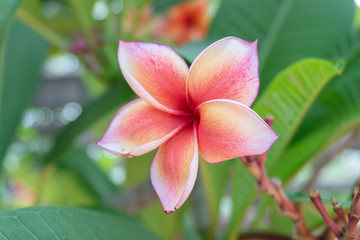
(60, 84)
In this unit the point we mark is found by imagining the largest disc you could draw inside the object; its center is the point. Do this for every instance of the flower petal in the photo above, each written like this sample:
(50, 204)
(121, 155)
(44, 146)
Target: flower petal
(174, 169)
(156, 73)
(228, 129)
(138, 128)
(227, 69)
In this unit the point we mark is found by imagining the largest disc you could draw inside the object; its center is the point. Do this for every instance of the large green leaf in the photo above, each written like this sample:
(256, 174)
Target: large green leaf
(68, 223)
(336, 111)
(290, 96)
(23, 54)
(287, 30)
(288, 99)
(7, 11)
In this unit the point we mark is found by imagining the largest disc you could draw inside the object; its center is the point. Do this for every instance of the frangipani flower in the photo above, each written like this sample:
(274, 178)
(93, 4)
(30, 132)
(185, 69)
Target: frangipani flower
(204, 109)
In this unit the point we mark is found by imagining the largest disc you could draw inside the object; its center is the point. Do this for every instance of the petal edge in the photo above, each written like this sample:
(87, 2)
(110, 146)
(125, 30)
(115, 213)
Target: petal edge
(138, 128)
(174, 169)
(228, 129)
(227, 69)
(156, 73)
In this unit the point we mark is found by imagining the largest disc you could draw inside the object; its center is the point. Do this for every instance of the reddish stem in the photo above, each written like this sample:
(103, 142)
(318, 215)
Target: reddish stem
(338, 209)
(256, 166)
(354, 215)
(316, 199)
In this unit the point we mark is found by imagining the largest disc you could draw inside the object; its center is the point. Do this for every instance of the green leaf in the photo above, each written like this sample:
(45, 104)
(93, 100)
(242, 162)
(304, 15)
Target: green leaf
(19, 77)
(117, 94)
(69, 223)
(288, 99)
(287, 30)
(290, 96)
(336, 111)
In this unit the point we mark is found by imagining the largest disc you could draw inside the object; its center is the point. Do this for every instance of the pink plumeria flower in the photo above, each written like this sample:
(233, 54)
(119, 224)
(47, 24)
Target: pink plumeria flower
(204, 109)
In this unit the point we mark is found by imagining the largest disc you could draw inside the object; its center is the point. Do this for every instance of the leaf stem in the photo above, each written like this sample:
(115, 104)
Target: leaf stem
(43, 30)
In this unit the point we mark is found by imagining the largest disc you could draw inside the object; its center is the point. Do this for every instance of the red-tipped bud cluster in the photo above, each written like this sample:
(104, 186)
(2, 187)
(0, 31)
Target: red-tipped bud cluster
(349, 229)
(316, 199)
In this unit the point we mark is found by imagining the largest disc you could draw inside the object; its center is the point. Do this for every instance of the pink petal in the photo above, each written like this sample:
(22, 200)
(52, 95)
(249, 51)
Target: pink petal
(138, 128)
(156, 73)
(227, 69)
(228, 129)
(174, 169)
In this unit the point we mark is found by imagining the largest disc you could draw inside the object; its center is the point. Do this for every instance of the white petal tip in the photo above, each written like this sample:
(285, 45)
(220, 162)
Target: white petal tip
(109, 148)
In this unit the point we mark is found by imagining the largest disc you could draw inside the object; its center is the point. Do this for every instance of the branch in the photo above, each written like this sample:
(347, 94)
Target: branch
(256, 166)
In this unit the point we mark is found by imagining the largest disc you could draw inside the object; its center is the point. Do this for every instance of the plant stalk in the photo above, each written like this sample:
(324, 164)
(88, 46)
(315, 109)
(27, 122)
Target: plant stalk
(43, 30)
(256, 166)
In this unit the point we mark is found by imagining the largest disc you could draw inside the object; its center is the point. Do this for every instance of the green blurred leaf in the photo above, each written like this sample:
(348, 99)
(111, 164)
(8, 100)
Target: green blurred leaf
(117, 94)
(287, 30)
(68, 223)
(357, 18)
(163, 5)
(7, 11)
(279, 223)
(166, 226)
(139, 169)
(22, 57)
(288, 99)
(242, 194)
(214, 178)
(83, 10)
(90, 174)
(63, 187)
(31, 14)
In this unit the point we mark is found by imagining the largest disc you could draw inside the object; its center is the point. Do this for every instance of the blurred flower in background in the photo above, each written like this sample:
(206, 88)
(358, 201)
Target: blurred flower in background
(184, 22)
